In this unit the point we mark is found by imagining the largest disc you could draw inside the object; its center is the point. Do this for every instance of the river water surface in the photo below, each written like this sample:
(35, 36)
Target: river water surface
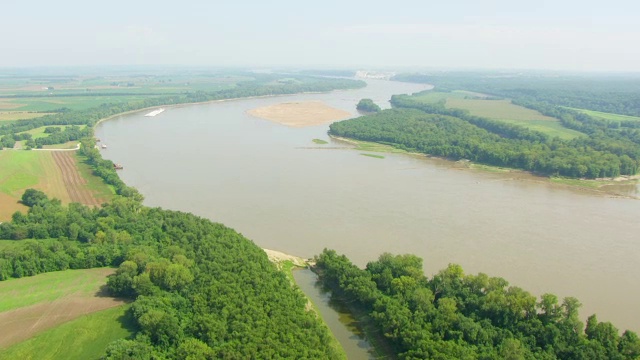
(278, 188)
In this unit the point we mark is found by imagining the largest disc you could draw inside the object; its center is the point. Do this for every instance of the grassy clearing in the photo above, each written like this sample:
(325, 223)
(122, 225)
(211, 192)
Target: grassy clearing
(551, 128)
(84, 338)
(373, 156)
(21, 170)
(433, 97)
(500, 110)
(67, 145)
(497, 109)
(12, 116)
(94, 183)
(51, 286)
(608, 116)
(71, 102)
(320, 142)
(39, 132)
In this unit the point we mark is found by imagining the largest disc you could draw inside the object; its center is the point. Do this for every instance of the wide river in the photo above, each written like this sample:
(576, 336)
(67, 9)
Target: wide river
(278, 188)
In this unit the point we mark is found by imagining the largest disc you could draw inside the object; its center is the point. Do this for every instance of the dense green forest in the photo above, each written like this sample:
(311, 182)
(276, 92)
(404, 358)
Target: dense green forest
(263, 86)
(201, 289)
(431, 128)
(367, 105)
(612, 93)
(457, 316)
(488, 142)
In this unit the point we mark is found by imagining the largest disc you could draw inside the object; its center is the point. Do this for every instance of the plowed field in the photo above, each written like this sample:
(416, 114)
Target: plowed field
(75, 184)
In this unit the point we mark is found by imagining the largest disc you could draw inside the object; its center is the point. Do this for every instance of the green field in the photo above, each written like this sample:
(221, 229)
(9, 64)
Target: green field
(39, 132)
(67, 145)
(607, 116)
(551, 128)
(94, 183)
(85, 338)
(500, 110)
(71, 102)
(497, 109)
(432, 97)
(47, 287)
(10, 116)
(21, 170)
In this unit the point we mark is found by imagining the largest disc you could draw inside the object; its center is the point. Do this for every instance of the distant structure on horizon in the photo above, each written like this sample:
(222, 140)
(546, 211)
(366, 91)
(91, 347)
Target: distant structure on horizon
(379, 75)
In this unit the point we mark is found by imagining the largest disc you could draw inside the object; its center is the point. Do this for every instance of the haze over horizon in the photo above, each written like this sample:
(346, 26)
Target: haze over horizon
(495, 34)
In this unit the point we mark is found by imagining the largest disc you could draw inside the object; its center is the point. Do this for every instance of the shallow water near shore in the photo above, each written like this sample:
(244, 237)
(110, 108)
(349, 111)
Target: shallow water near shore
(278, 188)
(343, 326)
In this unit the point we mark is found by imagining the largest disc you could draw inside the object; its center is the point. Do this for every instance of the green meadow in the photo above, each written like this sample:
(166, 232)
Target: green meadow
(85, 338)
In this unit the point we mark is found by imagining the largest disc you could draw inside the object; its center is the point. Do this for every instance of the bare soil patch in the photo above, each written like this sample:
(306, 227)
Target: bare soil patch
(75, 184)
(9, 105)
(23, 323)
(300, 114)
(9, 205)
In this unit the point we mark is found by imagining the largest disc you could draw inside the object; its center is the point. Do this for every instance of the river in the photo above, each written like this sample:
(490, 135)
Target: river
(278, 188)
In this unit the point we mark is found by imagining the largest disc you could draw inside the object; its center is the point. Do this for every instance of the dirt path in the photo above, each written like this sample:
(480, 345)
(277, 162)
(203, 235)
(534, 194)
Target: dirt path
(75, 184)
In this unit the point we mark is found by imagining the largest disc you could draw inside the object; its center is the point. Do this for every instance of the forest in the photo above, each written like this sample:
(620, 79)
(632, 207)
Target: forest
(458, 316)
(201, 290)
(433, 129)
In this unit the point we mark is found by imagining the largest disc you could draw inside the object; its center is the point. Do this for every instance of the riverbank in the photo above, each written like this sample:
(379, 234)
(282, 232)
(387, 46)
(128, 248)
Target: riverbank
(175, 106)
(611, 187)
(288, 264)
(300, 114)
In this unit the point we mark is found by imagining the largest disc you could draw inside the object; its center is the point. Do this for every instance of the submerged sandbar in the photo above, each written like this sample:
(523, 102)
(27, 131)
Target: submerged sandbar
(300, 114)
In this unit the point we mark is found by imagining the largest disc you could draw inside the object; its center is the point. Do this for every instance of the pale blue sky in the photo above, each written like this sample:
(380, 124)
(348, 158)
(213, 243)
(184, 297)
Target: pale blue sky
(563, 35)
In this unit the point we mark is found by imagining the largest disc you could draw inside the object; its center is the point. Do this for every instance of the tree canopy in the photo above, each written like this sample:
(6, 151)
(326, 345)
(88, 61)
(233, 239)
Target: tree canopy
(458, 316)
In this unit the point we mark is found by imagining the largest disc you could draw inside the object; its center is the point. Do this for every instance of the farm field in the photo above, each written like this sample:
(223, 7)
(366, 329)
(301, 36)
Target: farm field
(501, 110)
(607, 116)
(34, 304)
(18, 115)
(54, 173)
(84, 338)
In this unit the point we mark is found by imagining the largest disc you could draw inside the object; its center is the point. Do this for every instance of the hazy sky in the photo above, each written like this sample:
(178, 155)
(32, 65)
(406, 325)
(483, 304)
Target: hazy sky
(565, 35)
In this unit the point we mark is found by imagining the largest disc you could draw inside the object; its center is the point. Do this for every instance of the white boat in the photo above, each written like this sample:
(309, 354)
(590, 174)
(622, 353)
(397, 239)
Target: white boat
(155, 112)
(104, 146)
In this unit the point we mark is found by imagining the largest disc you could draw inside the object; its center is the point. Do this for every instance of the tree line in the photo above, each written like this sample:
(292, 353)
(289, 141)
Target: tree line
(618, 94)
(509, 146)
(201, 290)
(458, 316)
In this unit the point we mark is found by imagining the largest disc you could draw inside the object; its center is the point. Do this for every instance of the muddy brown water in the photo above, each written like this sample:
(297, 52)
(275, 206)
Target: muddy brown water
(278, 188)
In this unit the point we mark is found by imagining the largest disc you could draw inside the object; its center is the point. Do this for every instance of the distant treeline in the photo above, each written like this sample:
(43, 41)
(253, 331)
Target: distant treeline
(89, 117)
(201, 290)
(618, 94)
(330, 72)
(458, 316)
(453, 133)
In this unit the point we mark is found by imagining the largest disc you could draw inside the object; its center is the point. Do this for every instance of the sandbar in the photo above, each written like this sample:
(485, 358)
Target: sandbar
(300, 114)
